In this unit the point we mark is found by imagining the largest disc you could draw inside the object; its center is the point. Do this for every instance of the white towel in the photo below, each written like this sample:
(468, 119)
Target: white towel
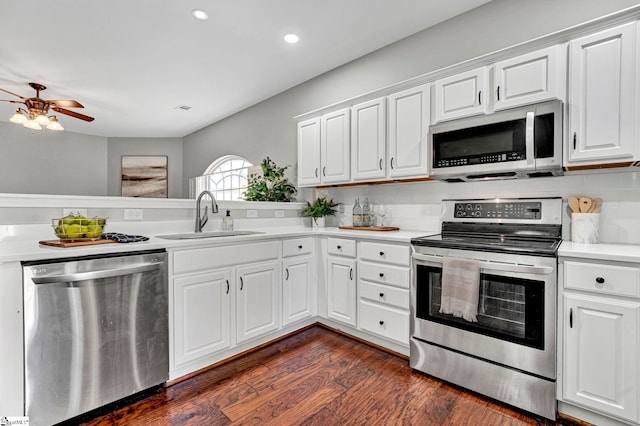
(460, 288)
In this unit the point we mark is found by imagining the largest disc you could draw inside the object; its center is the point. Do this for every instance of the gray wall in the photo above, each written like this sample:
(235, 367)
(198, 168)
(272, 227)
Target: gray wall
(171, 147)
(268, 128)
(68, 163)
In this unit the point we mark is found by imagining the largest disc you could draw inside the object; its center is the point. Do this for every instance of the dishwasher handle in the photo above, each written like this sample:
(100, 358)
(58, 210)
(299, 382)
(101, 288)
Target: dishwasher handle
(92, 275)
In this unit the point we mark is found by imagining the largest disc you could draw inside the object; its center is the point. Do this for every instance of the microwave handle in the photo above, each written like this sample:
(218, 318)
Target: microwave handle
(529, 137)
(492, 266)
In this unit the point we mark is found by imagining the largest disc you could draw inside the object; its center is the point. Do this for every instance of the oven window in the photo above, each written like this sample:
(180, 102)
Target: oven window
(509, 308)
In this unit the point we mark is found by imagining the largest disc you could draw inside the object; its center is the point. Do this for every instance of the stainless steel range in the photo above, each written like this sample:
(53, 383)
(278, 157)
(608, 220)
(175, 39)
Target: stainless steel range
(498, 258)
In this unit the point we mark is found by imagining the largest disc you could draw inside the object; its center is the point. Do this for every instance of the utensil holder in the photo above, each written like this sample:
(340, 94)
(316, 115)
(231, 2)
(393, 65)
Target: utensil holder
(585, 227)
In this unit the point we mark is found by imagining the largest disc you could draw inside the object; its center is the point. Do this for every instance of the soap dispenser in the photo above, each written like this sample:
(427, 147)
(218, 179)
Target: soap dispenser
(227, 222)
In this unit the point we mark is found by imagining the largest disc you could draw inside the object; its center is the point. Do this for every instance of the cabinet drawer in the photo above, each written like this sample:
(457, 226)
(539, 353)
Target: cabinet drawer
(385, 274)
(387, 253)
(384, 321)
(297, 246)
(341, 247)
(385, 294)
(602, 278)
(200, 259)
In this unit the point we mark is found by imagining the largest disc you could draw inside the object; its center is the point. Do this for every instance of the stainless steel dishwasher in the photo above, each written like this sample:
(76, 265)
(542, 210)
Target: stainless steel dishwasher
(96, 331)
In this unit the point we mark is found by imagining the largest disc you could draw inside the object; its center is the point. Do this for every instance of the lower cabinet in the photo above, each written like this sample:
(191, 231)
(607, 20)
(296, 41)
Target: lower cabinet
(341, 289)
(258, 300)
(601, 354)
(297, 289)
(202, 325)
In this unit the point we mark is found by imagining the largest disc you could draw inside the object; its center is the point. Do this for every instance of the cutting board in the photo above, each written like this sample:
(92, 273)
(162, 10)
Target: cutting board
(72, 243)
(370, 228)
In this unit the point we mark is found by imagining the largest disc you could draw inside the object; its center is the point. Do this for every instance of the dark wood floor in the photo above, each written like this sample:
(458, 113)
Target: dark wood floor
(316, 377)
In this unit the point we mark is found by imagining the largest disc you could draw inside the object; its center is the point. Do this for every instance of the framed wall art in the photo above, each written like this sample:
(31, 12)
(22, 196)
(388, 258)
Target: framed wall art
(144, 176)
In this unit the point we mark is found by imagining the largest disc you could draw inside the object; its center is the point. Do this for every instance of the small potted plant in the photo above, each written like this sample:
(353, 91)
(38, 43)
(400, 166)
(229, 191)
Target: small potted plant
(319, 209)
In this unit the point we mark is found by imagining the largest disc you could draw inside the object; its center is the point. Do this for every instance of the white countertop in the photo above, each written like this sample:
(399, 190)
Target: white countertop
(601, 251)
(28, 249)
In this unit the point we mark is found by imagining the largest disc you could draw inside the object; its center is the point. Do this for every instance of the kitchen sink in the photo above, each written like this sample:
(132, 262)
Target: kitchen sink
(215, 234)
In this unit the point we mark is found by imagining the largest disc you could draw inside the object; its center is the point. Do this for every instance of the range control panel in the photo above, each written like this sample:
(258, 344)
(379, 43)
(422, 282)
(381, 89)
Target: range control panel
(530, 210)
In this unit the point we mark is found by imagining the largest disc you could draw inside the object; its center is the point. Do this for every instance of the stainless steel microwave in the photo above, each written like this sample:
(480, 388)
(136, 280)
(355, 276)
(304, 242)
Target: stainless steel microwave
(518, 142)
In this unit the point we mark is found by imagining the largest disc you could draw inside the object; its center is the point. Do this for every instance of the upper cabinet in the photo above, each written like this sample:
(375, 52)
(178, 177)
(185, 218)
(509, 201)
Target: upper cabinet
(602, 84)
(533, 77)
(529, 78)
(408, 127)
(323, 149)
(461, 95)
(368, 140)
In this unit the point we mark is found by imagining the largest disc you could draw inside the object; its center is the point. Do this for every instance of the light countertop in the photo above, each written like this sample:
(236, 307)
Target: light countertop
(601, 251)
(28, 249)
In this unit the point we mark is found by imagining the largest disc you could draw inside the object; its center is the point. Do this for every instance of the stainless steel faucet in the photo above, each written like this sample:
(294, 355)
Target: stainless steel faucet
(202, 220)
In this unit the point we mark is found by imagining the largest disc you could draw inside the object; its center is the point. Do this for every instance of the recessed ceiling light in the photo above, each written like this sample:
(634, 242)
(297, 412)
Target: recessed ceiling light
(291, 38)
(200, 14)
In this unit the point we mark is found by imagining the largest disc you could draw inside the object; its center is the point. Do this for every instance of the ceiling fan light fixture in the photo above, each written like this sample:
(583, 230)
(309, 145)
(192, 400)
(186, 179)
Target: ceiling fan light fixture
(18, 117)
(55, 124)
(32, 124)
(42, 120)
(200, 14)
(291, 38)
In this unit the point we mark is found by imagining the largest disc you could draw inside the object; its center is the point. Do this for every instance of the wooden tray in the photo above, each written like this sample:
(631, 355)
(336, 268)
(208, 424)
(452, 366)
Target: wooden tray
(61, 243)
(370, 228)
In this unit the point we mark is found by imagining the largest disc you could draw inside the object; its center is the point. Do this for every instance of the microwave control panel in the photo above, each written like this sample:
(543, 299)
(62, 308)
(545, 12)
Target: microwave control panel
(512, 210)
(498, 157)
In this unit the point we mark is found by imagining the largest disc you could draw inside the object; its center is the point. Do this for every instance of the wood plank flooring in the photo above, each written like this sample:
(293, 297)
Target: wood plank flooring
(316, 377)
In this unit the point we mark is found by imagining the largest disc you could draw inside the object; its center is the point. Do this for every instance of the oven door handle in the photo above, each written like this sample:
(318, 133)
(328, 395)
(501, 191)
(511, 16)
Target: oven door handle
(492, 266)
(529, 138)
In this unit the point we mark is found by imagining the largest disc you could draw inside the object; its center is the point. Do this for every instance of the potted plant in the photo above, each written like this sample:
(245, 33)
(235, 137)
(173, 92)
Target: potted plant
(319, 209)
(272, 185)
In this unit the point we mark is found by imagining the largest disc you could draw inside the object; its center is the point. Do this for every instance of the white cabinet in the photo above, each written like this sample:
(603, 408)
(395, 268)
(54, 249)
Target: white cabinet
(324, 149)
(599, 320)
(335, 129)
(298, 282)
(534, 77)
(602, 96)
(341, 281)
(409, 118)
(461, 95)
(204, 325)
(309, 152)
(384, 275)
(601, 354)
(258, 300)
(368, 140)
(12, 338)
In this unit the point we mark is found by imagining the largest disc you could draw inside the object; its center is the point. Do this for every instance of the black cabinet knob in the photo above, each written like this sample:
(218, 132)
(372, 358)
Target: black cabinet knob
(339, 247)
(600, 280)
(381, 294)
(381, 322)
(299, 247)
(381, 253)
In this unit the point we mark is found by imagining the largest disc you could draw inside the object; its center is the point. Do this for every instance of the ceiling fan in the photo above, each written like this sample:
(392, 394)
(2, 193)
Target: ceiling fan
(37, 109)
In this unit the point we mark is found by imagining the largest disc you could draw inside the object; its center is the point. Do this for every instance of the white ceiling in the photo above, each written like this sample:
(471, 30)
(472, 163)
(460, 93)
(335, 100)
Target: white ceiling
(132, 62)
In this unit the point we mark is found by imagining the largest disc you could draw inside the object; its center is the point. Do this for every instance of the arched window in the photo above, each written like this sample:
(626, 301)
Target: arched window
(226, 178)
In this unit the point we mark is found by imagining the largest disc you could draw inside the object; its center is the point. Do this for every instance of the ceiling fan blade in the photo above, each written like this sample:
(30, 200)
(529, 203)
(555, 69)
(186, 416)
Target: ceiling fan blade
(73, 114)
(64, 103)
(12, 101)
(14, 94)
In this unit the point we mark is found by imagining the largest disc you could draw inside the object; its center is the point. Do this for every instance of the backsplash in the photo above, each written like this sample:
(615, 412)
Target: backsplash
(417, 205)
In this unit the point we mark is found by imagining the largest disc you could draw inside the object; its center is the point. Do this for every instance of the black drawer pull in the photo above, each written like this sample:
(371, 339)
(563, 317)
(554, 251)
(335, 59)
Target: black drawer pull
(381, 294)
(381, 253)
(300, 247)
(600, 280)
(339, 247)
(381, 322)
(381, 275)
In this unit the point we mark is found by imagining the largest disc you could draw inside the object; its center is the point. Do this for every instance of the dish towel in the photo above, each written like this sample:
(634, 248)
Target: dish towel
(123, 238)
(460, 288)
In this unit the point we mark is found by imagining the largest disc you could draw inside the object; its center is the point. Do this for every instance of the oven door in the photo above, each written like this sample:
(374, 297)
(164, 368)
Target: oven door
(516, 309)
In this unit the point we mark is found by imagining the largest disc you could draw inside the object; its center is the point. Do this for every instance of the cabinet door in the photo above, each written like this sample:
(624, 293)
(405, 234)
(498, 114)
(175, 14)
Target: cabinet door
(201, 315)
(334, 146)
(602, 85)
(408, 127)
(309, 152)
(341, 283)
(601, 354)
(258, 300)
(461, 95)
(534, 77)
(368, 140)
(297, 289)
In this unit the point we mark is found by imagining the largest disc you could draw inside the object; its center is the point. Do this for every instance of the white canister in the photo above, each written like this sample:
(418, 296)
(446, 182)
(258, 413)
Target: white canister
(585, 227)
